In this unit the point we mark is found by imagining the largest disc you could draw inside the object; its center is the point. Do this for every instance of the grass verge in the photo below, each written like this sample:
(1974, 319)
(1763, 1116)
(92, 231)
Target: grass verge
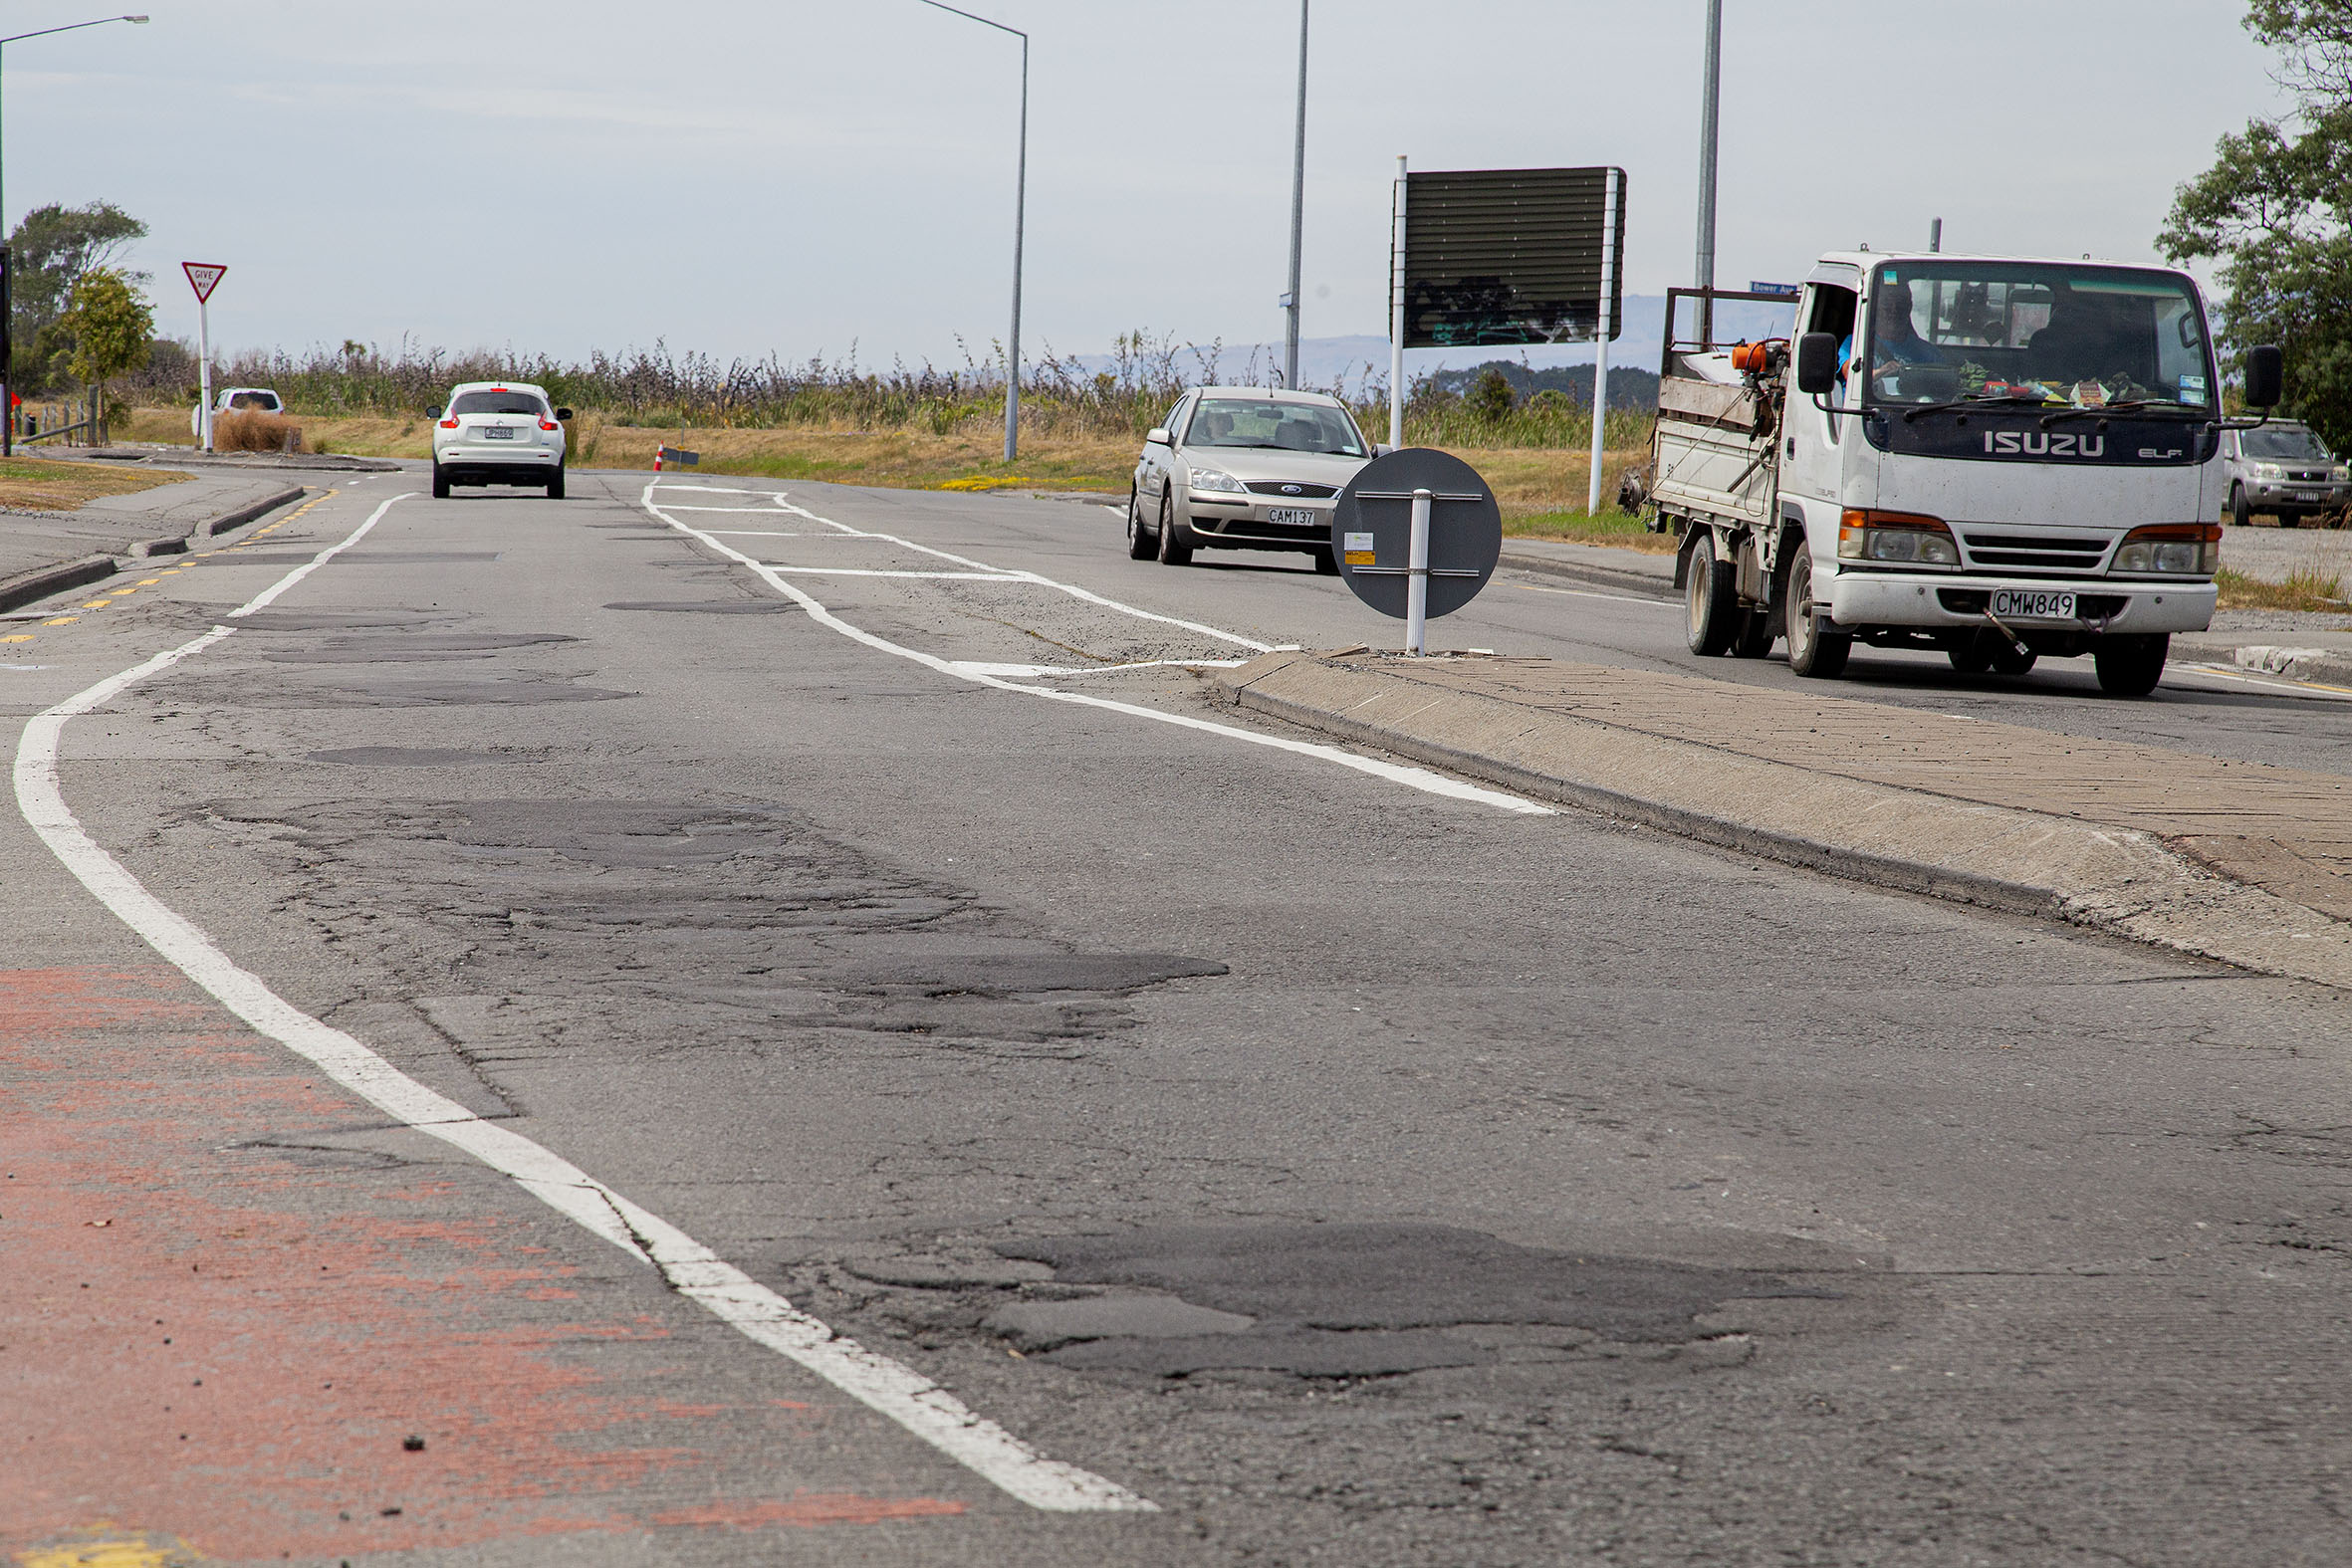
(2305, 588)
(33, 484)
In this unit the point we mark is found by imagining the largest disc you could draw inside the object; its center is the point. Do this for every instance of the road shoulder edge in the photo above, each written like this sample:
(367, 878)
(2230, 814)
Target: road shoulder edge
(2117, 880)
(28, 587)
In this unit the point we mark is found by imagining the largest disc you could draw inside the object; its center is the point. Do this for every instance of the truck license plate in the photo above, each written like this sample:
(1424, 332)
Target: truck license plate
(2032, 604)
(497, 433)
(1289, 515)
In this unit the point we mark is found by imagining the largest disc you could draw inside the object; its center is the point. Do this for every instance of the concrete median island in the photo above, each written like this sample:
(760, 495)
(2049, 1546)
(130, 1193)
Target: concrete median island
(2242, 862)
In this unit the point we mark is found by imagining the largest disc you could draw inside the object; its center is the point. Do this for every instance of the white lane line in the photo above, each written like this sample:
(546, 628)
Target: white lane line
(692, 1269)
(765, 532)
(1587, 594)
(1069, 588)
(723, 509)
(2283, 685)
(1413, 777)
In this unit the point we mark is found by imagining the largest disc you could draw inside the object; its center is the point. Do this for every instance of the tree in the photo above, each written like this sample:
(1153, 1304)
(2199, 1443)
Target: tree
(2275, 210)
(48, 254)
(113, 328)
(1491, 396)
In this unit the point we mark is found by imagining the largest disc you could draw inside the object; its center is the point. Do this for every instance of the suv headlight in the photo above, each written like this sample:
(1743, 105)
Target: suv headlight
(2186, 548)
(1896, 539)
(2268, 471)
(1211, 479)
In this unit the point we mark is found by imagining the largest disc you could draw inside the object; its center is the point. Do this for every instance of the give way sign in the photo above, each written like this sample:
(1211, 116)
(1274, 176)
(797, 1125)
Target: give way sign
(203, 277)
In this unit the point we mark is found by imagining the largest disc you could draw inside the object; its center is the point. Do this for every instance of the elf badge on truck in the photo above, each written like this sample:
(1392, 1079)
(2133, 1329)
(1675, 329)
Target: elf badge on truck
(2003, 459)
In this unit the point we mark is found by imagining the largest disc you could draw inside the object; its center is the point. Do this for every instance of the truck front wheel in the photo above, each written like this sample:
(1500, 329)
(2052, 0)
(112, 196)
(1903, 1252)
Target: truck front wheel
(1811, 650)
(2130, 666)
(1712, 599)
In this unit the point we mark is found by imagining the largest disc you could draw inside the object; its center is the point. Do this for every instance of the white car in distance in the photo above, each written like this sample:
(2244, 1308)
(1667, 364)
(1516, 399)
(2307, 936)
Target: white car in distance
(1244, 468)
(498, 433)
(236, 399)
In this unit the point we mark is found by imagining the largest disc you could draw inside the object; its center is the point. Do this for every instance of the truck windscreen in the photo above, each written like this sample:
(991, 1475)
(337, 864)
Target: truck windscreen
(2024, 334)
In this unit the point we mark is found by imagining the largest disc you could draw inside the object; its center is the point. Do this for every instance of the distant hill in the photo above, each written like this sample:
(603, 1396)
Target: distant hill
(1628, 387)
(1360, 362)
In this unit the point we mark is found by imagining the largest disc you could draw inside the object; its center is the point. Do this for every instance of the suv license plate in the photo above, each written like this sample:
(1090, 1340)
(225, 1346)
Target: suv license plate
(2032, 604)
(1290, 515)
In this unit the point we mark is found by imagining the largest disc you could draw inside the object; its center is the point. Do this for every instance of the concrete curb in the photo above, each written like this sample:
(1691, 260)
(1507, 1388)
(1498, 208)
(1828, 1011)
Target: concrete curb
(2325, 665)
(1641, 582)
(2127, 883)
(28, 587)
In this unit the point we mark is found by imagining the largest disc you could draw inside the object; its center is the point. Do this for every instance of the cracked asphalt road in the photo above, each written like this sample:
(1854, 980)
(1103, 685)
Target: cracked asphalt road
(1364, 1177)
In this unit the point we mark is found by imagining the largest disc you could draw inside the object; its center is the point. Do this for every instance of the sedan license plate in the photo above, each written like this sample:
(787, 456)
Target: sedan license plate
(1290, 515)
(497, 433)
(2032, 604)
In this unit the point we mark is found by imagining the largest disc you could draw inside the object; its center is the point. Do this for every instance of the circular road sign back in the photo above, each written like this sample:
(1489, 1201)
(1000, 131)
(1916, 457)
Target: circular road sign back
(1372, 531)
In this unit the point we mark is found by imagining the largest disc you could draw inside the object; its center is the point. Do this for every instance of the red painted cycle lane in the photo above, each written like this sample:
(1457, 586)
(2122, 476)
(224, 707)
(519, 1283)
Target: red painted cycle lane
(235, 1311)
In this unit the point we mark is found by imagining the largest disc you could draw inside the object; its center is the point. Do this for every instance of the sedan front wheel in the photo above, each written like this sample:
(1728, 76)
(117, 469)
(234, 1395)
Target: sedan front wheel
(1140, 538)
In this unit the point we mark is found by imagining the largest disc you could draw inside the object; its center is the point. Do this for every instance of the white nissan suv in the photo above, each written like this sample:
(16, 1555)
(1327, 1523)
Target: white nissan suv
(498, 433)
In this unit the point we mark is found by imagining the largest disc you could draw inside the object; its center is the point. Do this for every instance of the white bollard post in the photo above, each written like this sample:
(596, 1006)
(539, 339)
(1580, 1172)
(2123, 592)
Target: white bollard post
(1396, 314)
(1600, 341)
(1417, 584)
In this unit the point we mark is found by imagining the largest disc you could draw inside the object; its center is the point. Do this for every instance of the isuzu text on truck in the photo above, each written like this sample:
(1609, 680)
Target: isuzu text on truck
(2003, 459)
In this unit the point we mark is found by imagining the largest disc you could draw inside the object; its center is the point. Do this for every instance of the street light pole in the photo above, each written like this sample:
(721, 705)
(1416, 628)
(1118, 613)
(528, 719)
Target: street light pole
(1709, 106)
(6, 368)
(1297, 215)
(1020, 222)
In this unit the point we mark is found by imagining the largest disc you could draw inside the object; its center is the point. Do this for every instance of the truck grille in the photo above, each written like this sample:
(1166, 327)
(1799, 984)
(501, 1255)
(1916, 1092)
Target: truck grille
(2037, 551)
(1292, 487)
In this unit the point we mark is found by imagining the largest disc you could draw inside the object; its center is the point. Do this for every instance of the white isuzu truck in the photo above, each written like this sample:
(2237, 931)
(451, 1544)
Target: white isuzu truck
(2000, 458)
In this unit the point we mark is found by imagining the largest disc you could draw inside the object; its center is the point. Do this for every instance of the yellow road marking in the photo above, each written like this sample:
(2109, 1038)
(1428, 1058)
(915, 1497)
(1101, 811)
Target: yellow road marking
(62, 620)
(118, 593)
(148, 583)
(107, 1547)
(98, 604)
(22, 636)
(172, 571)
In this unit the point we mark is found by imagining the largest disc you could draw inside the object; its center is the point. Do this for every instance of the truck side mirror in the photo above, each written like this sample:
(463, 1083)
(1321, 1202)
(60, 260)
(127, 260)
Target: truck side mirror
(1816, 364)
(2266, 372)
(432, 410)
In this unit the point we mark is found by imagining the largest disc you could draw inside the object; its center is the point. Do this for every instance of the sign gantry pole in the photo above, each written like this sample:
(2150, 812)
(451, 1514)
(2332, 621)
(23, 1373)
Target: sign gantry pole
(203, 277)
(1396, 314)
(1613, 188)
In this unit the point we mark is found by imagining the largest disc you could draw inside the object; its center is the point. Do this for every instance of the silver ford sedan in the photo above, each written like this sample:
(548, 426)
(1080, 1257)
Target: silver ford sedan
(1244, 468)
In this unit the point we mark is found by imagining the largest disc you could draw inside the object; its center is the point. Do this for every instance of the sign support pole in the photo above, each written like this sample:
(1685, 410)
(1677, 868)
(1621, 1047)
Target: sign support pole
(205, 366)
(1601, 337)
(1396, 317)
(1417, 584)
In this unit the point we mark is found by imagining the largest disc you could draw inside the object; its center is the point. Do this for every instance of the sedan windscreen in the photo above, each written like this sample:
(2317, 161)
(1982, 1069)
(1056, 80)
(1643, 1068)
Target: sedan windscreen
(495, 404)
(2290, 442)
(1282, 427)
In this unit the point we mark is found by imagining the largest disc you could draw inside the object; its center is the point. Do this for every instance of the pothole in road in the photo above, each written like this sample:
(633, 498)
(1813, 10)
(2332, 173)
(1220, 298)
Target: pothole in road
(1337, 1301)
(407, 757)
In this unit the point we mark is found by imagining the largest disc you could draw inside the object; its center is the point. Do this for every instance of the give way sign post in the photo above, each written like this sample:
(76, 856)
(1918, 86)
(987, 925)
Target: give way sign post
(204, 277)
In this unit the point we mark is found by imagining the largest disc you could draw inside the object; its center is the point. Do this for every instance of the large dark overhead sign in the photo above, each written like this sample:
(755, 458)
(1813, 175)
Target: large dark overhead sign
(1513, 256)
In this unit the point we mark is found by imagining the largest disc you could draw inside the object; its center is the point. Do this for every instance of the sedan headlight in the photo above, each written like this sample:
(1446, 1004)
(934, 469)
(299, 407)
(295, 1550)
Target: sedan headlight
(2182, 549)
(1211, 479)
(1896, 539)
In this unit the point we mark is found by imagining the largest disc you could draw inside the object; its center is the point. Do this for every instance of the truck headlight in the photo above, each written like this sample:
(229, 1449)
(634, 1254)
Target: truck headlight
(1896, 539)
(2182, 549)
(1211, 479)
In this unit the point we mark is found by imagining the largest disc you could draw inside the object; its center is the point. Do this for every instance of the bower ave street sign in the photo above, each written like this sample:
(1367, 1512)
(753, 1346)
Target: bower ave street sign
(203, 277)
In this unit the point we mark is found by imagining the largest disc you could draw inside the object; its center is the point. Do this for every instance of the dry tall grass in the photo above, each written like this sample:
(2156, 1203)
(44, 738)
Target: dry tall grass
(253, 430)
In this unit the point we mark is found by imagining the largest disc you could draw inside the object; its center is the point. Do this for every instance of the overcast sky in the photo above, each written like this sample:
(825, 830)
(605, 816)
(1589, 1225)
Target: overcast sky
(746, 177)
